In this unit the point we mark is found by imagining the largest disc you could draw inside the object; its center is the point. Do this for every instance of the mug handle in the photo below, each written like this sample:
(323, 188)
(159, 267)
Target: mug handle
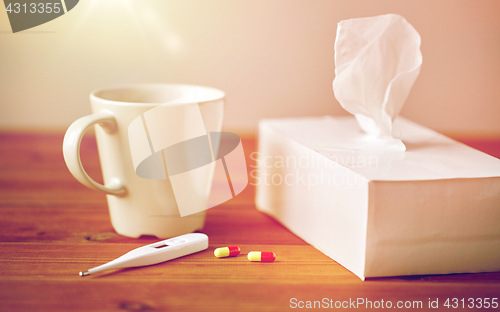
(71, 151)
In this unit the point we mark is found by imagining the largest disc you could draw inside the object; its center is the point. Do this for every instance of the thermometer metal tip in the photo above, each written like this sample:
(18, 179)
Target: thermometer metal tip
(155, 253)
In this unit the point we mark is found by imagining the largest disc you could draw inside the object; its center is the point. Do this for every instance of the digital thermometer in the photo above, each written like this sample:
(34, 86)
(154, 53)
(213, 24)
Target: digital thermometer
(157, 252)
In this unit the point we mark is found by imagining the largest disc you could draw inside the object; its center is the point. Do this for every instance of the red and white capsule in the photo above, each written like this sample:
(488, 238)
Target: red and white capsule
(262, 256)
(230, 251)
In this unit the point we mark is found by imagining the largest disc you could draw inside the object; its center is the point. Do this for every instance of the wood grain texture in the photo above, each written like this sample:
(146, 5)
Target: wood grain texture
(52, 227)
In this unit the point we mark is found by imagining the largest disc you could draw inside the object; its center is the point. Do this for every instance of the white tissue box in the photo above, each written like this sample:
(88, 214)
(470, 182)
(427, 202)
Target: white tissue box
(432, 210)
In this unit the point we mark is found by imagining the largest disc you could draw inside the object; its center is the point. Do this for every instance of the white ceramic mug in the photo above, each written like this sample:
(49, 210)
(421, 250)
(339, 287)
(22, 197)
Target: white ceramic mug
(137, 206)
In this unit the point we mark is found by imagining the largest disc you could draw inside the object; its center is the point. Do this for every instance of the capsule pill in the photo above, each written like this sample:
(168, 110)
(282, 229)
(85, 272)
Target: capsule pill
(230, 251)
(262, 256)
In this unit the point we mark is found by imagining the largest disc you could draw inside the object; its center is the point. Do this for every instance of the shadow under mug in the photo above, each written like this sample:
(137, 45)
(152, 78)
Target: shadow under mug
(137, 206)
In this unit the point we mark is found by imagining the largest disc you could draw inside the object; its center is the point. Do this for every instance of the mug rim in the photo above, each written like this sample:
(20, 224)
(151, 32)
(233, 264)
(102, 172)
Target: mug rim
(220, 95)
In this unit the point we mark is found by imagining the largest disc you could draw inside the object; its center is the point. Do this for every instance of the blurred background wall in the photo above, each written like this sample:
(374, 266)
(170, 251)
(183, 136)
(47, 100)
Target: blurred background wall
(273, 58)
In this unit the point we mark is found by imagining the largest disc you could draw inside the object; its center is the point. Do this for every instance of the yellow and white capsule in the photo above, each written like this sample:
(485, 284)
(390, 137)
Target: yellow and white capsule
(262, 256)
(230, 251)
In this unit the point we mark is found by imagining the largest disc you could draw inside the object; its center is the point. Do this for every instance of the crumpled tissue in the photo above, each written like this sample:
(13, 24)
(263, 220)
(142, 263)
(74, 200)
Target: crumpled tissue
(377, 60)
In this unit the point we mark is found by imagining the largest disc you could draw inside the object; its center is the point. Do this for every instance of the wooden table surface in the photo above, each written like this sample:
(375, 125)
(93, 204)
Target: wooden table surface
(52, 227)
